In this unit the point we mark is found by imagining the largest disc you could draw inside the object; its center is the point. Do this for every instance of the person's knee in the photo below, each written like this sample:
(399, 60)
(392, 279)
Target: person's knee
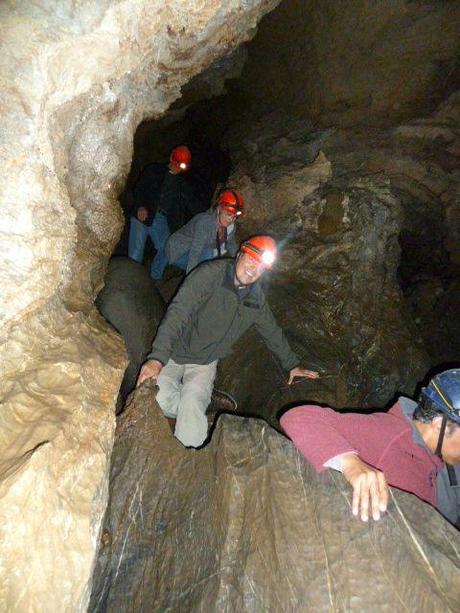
(198, 387)
(191, 428)
(167, 389)
(168, 398)
(194, 395)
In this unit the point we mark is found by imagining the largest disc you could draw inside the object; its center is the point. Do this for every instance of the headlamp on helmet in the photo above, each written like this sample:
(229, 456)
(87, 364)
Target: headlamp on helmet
(181, 158)
(261, 248)
(268, 257)
(232, 201)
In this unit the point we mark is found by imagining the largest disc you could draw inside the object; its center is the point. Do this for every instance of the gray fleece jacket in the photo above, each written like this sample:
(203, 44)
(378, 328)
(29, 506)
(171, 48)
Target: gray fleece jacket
(209, 314)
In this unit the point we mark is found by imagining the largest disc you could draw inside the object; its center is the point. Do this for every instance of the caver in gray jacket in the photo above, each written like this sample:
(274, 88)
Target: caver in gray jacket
(209, 314)
(198, 236)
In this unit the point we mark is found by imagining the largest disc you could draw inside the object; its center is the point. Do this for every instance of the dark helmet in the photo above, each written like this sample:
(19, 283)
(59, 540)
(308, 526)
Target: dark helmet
(442, 395)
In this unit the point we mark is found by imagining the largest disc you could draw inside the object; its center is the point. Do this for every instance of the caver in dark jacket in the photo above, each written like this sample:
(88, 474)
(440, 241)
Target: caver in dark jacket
(158, 189)
(147, 190)
(209, 314)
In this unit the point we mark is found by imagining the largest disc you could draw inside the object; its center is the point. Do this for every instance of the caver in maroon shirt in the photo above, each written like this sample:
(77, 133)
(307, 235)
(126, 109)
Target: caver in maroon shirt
(388, 441)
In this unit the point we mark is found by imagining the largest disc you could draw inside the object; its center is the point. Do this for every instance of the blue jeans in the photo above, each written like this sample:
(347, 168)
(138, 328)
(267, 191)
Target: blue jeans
(158, 233)
(182, 262)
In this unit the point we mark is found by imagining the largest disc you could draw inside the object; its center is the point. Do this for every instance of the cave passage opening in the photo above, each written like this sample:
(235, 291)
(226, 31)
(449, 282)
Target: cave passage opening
(153, 142)
(429, 279)
(281, 84)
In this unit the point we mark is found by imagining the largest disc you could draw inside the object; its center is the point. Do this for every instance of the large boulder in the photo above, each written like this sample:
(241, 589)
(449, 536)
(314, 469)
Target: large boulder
(130, 302)
(245, 524)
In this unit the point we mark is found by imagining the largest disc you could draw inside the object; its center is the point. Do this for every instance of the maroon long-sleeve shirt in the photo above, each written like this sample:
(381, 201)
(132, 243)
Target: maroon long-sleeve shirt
(388, 441)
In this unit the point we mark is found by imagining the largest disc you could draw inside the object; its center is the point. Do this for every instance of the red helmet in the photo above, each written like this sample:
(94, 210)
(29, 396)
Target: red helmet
(232, 201)
(261, 248)
(181, 158)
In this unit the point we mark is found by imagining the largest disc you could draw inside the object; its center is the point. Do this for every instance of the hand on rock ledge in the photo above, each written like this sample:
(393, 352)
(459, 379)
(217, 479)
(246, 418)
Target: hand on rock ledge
(301, 373)
(150, 370)
(370, 488)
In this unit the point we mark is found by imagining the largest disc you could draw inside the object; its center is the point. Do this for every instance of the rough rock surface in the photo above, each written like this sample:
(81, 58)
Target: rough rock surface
(353, 63)
(77, 78)
(366, 285)
(56, 436)
(335, 290)
(246, 525)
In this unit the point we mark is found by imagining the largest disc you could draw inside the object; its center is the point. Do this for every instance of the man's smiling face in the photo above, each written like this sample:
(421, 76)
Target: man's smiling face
(247, 270)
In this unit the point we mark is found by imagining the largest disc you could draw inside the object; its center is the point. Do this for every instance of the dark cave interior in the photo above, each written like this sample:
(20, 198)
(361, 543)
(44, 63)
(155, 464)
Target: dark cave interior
(373, 229)
(291, 71)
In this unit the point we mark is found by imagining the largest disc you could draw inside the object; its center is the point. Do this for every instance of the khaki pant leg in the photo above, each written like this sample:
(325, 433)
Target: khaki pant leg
(170, 383)
(192, 424)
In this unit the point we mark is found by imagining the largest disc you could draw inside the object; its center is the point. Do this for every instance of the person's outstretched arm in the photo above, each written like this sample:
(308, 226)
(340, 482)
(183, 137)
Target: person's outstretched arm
(320, 434)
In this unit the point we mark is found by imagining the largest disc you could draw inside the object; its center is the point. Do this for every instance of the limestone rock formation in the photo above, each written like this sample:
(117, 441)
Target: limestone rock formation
(366, 285)
(76, 78)
(246, 525)
(56, 436)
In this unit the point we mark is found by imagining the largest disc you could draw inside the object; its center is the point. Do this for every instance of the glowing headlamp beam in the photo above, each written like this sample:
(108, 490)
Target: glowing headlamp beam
(268, 257)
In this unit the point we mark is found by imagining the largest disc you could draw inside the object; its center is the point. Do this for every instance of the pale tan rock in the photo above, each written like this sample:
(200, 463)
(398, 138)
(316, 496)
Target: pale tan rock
(76, 80)
(56, 437)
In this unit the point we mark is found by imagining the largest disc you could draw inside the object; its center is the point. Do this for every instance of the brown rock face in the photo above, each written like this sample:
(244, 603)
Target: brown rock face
(246, 525)
(77, 78)
(366, 285)
(334, 289)
(353, 63)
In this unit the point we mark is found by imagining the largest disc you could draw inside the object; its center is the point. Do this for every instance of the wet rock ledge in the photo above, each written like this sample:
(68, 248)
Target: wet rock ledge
(246, 525)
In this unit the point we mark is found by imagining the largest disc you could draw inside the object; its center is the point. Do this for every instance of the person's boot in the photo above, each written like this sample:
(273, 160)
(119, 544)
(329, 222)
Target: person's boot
(222, 401)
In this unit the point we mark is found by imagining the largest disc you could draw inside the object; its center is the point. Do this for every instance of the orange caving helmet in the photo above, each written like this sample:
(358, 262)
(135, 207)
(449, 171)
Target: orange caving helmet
(261, 248)
(232, 201)
(181, 158)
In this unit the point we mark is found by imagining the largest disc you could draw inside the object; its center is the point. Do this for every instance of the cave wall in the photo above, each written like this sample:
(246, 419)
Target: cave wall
(334, 288)
(369, 62)
(341, 201)
(77, 78)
